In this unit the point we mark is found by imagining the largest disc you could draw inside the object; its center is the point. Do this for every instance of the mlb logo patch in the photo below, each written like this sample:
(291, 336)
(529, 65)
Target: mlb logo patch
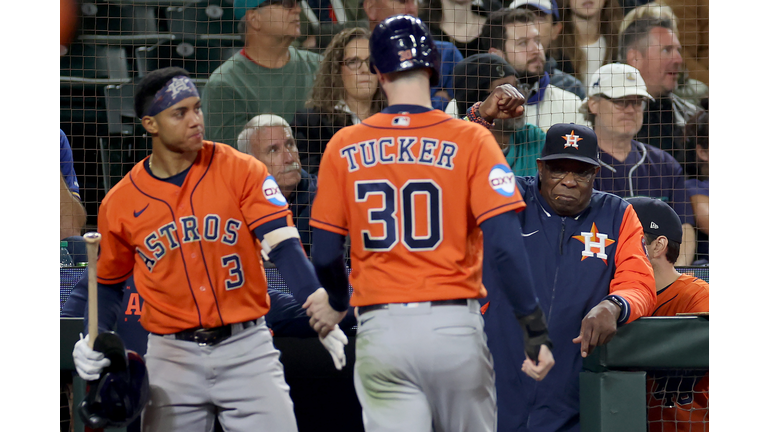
(401, 121)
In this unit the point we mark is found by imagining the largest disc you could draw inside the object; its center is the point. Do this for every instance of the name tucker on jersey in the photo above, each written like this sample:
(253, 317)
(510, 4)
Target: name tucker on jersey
(400, 150)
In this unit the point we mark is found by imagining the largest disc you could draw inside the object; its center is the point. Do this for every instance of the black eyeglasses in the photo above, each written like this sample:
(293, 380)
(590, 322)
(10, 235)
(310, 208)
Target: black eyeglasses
(288, 4)
(354, 63)
(626, 103)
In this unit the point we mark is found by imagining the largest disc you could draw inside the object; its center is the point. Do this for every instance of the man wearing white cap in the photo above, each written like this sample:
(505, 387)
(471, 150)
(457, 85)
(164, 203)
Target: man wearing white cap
(617, 99)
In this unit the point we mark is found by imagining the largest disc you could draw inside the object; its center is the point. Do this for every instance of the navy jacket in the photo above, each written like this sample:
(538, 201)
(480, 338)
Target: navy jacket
(576, 262)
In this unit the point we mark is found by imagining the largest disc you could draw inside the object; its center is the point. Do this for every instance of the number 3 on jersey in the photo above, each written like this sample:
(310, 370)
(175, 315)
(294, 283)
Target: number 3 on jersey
(412, 216)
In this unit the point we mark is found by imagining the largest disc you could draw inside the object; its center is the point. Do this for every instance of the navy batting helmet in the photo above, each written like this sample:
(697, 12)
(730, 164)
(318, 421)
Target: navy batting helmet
(122, 391)
(402, 43)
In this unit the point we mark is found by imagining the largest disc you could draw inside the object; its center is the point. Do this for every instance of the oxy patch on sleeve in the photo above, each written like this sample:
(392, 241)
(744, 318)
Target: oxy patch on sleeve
(502, 180)
(272, 192)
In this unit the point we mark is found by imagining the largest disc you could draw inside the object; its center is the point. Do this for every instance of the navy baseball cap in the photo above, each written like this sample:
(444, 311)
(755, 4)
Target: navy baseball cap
(657, 218)
(571, 141)
(549, 7)
(472, 77)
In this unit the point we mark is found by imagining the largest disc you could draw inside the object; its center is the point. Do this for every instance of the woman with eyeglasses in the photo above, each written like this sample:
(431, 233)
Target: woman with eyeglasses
(345, 93)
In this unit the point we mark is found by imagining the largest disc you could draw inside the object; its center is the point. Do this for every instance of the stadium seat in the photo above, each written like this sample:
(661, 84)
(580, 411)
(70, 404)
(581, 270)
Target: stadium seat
(89, 64)
(198, 57)
(204, 19)
(119, 23)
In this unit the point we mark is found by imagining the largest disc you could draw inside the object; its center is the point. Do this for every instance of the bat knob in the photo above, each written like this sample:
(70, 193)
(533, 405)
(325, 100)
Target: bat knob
(92, 237)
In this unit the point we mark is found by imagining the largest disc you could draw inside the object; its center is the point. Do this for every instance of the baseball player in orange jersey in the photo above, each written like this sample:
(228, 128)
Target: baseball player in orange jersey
(417, 192)
(188, 223)
(677, 402)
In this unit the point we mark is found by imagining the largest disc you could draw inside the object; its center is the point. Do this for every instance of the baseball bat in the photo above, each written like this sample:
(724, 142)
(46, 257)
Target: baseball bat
(92, 240)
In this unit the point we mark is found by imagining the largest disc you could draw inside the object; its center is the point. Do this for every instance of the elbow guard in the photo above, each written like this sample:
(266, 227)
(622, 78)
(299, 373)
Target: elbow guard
(535, 333)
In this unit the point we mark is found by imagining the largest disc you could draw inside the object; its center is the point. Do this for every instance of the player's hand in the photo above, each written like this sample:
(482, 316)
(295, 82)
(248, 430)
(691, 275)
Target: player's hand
(598, 327)
(504, 102)
(322, 317)
(335, 342)
(545, 362)
(89, 363)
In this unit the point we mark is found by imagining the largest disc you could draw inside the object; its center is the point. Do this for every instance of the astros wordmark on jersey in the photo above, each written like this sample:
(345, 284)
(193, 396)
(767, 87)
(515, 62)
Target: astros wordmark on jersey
(202, 275)
(411, 191)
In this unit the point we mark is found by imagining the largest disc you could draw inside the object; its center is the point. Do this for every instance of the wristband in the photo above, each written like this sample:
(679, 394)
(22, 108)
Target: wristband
(473, 114)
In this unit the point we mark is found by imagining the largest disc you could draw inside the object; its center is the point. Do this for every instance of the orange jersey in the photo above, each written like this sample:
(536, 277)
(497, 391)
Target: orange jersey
(411, 191)
(686, 294)
(680, 403)
(195, 260)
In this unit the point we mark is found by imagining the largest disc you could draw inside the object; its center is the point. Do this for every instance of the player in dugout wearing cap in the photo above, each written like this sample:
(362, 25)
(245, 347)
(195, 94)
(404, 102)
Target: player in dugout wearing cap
(591, 273)
(191, 223)
(679, 400)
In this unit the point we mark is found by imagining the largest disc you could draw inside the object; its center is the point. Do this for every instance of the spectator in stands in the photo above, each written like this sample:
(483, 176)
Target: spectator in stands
(688, 88)
(697, 136)
(267, 76)
(378, 10)
(650, 45)
(679, 402)
(549, 25)
(269, 139)
(321, 20)
(72, 215)
(458, 22)
(589, 38)
(512, 35)
(617, 98)
(345, 93)
(693, 16)
(476, 77)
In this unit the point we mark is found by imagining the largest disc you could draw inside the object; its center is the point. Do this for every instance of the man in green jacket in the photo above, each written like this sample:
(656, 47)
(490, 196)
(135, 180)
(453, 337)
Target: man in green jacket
(268, 76)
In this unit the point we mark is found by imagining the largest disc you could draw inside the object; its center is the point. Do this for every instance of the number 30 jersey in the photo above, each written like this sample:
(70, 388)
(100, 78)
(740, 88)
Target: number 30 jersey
(191, 249)
(411, 191)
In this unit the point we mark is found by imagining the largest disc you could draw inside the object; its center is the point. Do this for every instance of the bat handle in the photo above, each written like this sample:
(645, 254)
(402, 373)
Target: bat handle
(92, 240)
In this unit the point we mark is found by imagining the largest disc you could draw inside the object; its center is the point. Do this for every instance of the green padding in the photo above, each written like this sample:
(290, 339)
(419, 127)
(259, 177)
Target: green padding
(69, 334)
(655, 343)
(612, 401)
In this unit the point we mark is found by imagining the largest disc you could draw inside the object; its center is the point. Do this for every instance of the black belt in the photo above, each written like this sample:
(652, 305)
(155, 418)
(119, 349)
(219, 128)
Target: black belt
(455, 302)
(210, 336)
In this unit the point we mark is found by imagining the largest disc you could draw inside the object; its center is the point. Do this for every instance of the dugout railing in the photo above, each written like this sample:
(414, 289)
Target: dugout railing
(613, 381)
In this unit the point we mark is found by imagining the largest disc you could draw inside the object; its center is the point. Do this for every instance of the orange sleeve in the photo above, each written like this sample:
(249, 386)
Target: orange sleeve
(633, 279)
(492, 185)
(261, 200)
(115, 262)
(329, 206)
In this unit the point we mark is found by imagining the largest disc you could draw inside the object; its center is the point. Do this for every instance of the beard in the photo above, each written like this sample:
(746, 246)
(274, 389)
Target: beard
(509, 126)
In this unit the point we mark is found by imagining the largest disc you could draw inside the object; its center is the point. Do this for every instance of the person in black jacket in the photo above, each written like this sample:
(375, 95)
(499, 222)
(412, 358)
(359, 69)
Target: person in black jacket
(345, 93)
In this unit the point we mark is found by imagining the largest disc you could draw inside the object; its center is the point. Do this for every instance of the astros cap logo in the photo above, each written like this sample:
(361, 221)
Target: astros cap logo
(571, 140)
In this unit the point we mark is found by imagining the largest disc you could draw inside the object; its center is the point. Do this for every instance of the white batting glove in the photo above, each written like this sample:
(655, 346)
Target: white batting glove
(335, 342)
(89, 363)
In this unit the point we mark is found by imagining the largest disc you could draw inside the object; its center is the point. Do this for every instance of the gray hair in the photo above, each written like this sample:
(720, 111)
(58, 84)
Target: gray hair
(253, 126)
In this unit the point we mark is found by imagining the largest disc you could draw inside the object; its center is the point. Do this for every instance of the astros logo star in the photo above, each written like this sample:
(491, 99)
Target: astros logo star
(594, 247)
(571, 140)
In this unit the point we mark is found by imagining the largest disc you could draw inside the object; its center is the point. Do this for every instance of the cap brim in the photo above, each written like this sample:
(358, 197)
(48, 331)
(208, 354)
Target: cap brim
(558, 156)
(620, 94)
